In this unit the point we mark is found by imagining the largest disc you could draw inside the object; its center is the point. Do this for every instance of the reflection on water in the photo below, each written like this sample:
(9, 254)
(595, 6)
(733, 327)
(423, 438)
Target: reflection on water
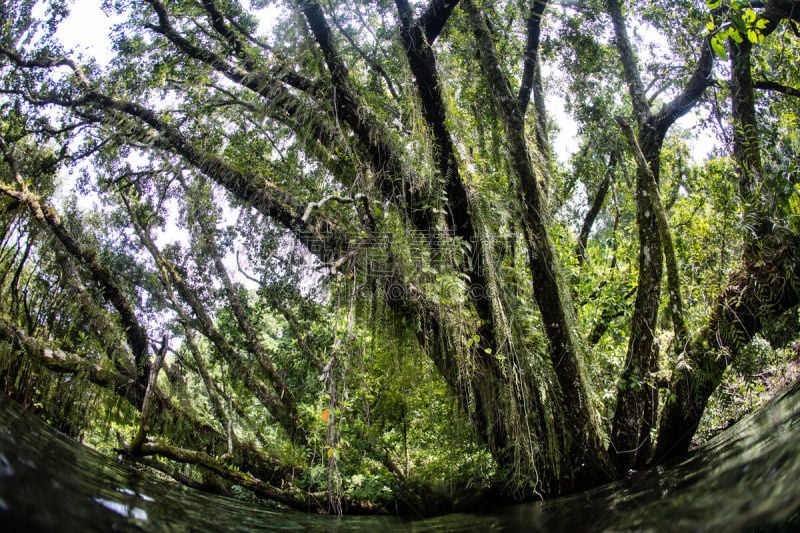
(747, 478)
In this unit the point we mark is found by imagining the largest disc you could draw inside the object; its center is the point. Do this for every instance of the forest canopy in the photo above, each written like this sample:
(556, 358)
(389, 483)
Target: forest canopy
(349, 257)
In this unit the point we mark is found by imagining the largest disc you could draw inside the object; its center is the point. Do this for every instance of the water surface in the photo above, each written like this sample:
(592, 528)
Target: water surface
(746, 478)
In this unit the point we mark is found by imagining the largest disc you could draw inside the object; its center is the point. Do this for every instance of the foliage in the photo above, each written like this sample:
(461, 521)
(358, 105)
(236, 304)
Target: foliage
(337, 254)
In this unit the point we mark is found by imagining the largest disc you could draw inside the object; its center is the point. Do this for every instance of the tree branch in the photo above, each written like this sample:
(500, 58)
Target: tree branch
(97, 316)
(594, 210)
(531, 71)
(310, 354)
(767, 85)
(218, 23)
(580, 423)
(764, 287)
(48, 218)
(62, 361)
(256, 190)
(285, 396)
(394, 176)
(700, 80)
(147, 403)
(284, 413)
(673, 275)
(434, 18)
(208, 462)
(370, 61)
(630, 65)
(211, 391)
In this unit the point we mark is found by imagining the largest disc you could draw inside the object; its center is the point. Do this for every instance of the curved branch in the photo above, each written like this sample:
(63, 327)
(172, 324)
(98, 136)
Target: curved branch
(767, 85)
(202, 459)
(291, 497)
(761, 290)
(700, 80)
(134, 331)
(168, 414)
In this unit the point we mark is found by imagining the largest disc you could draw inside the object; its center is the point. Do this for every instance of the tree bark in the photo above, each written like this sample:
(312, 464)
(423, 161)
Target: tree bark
(531, 83)
(637, 397)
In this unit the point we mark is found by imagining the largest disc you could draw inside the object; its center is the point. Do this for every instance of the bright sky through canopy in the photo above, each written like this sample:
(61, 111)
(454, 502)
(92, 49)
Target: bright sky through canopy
(88, 28)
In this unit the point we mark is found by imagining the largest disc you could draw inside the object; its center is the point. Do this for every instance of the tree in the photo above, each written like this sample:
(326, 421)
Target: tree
(351, 122)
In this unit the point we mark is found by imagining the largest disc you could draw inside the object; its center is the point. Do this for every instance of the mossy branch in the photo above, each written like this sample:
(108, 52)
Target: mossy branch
(291, 497)
(62, 361)
(147, 404)
(673, 274)
(100, 274)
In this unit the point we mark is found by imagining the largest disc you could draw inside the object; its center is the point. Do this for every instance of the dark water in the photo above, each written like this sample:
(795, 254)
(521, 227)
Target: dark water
(746, 479)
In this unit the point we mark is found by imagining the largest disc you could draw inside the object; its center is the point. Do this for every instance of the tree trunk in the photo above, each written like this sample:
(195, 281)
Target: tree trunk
(764, 288)
(761, 291)
(637, 399)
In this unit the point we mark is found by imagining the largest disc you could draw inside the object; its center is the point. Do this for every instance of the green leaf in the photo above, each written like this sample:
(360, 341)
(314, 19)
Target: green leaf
(752, 36)
(716, 45)
(713, 4)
